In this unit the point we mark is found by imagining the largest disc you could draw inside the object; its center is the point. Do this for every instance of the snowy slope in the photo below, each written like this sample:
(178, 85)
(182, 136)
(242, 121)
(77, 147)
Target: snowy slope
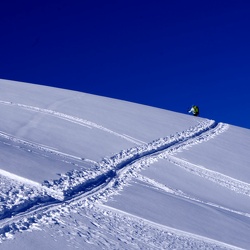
(80, 171)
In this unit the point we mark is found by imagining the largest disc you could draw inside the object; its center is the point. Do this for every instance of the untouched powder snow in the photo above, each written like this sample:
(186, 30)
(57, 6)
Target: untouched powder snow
(80, 171)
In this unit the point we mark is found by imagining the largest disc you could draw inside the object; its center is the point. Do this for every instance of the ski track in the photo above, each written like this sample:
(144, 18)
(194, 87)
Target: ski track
(181, 194)
(87, 190)
(70, 118)
(173, 237)
(221, 179)
(37, 146)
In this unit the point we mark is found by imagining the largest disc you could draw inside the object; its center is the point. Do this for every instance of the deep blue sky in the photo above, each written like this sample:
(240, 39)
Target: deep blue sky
(167, 54)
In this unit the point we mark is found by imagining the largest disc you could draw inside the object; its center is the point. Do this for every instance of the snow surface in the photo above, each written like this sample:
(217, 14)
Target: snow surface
(80, 171)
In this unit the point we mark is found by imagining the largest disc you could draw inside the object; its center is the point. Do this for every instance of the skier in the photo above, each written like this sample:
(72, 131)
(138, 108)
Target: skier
(194, 110)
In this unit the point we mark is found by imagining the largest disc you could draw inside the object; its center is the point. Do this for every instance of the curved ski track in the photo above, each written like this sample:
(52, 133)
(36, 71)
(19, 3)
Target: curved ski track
(70, 118)
(89, 189)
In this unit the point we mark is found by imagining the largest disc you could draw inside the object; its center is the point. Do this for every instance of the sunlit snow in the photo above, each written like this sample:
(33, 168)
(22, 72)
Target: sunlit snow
(80, 171)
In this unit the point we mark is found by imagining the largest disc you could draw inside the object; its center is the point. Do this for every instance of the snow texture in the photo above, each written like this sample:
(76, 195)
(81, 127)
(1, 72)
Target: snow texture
(79, 171)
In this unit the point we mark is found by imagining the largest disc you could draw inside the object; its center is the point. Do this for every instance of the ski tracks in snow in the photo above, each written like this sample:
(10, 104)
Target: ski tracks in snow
(87, 190)
(70, 118)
